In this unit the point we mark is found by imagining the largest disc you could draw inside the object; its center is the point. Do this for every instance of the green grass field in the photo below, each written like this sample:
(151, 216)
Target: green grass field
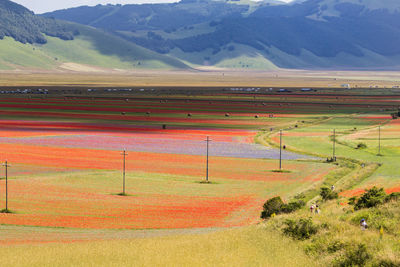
(165, 190)
(252, 246)
(92, 49)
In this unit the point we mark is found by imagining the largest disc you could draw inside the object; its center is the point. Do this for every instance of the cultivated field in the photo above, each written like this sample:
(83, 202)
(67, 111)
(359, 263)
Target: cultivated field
(66, 174)
(207, 77)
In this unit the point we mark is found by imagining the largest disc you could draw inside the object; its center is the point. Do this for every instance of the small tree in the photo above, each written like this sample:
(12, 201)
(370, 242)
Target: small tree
(371, 198)
(276, 206)
(328, 194)
(272, 206)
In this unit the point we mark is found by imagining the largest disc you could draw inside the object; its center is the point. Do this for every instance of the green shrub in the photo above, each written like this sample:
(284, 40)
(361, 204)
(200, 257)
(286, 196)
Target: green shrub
(335, 246)
(277, 206)
(301, 230)
(327, 194)
(5, 211)
(356, 255)
(378, 217)
(293, 206)
(352, 200)
(272, 206)
(300, 196)
(386, 263)
(312, 249)
(393, 197)
(361, 146)
(371, 198)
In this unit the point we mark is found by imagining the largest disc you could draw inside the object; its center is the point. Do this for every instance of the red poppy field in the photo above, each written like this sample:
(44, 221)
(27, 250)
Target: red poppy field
(66, 162)
(51, 197)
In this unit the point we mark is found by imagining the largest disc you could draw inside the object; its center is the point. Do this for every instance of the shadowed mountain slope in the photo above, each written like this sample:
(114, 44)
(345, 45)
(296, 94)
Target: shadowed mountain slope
(308, 34)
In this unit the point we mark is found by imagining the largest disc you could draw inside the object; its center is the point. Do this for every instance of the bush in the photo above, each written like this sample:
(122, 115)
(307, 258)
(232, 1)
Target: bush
(361, 146)
(301, 230)
(393, 197)
(371, 198)
(276, 206)
(386, 263)
(354, 256)
(293, 206)
(378, 217)
(300, 196)
(272, 206)
(5, 211)
(335, 246)
(327, 194)
(352, 200)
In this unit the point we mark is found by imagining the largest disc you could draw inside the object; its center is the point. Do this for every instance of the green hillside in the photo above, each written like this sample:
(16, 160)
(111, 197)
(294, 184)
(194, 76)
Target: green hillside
(30, 41)
(14, 54)
(233, 56)
(93, 47)
(90, 47)
(319, 34)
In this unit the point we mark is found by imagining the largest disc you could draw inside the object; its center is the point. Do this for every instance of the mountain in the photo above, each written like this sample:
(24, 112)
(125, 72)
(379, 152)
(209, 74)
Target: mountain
(31, 41)
(244, 34)
(21, 24)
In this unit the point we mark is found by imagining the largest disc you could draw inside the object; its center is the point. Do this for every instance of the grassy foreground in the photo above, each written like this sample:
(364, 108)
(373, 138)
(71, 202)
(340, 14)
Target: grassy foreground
(251, 246)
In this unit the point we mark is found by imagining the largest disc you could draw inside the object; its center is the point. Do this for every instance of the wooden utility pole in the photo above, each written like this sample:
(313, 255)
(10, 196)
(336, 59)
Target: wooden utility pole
(280, 149)
(379, 140)
(334, 144)
(124, 164)
(6, 165)
(208, 140)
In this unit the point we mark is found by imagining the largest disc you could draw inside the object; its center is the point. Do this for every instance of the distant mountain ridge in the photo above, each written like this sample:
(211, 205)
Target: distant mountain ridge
(322, 34)
(302, 34)
(30, 41)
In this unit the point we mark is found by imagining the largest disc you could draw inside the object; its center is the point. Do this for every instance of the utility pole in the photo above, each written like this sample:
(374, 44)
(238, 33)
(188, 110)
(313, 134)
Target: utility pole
(334, 144)
(280, 150)
(123, 185)
(379, 140)
(208, 140)
(6, 165)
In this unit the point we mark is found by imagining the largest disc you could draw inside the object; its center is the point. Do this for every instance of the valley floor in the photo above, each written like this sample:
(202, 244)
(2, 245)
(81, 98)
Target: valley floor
(201, 78)
(63, 190)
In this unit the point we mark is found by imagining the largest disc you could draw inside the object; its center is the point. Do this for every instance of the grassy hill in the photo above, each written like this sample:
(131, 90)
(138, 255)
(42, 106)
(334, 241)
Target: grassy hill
(232, 56)
(91, 47)
(13, 54)
(306, 34)
(30, 41)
